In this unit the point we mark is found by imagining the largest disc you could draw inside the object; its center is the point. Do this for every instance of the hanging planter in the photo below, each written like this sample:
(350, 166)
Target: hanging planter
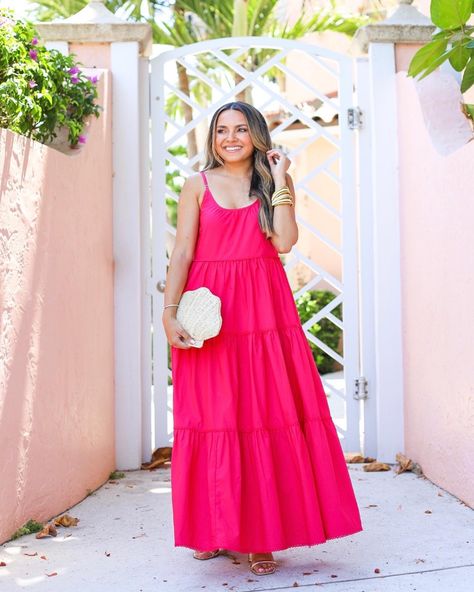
(62, 140)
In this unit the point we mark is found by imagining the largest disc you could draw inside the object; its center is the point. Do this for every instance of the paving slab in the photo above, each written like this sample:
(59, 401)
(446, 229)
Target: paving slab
(416, 537)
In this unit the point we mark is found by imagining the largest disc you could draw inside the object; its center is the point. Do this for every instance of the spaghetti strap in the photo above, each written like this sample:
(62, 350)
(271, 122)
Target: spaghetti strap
(204, 179)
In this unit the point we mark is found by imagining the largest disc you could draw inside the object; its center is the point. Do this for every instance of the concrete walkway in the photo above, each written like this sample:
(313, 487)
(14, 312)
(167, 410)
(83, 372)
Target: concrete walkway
(418, 536)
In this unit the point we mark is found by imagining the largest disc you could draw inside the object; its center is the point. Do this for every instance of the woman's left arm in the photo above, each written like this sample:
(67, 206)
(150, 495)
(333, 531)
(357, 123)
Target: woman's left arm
(284, 220)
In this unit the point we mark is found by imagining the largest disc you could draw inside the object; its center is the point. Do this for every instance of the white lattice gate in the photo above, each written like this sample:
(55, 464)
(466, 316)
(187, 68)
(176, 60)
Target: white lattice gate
(306, 93)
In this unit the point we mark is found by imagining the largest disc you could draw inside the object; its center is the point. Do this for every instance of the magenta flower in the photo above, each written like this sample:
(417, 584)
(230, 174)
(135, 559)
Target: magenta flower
(74, 79)
(81, 139)
(34, 41)
(33, 54)
(32, 84)
(93, 79)
(74, 70)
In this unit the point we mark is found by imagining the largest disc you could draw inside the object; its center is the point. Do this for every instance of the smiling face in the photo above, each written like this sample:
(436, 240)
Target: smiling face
(232, 141)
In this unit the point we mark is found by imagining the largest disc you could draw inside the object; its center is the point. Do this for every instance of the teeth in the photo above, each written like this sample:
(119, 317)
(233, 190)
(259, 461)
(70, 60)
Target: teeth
(232, 148)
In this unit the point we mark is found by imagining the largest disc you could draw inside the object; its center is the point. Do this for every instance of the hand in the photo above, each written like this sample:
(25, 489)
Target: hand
(279, 164)
(175, 334)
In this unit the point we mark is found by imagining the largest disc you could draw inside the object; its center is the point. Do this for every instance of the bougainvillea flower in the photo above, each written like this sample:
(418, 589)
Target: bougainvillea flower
(33, 54)
(93, 79)
(74, 79)
(81, 139)
(74, 70)
(32, 84)
(34, 41)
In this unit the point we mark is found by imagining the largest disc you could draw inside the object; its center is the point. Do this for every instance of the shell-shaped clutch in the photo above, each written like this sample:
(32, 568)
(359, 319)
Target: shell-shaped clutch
(199, 313)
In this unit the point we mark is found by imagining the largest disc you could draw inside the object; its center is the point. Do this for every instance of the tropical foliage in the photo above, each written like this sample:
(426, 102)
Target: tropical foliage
(41, 91)
(47, 10)
(308, 305)
(454, 41)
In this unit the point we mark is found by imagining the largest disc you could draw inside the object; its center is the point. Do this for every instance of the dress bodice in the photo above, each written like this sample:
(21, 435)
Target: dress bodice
(230, 233)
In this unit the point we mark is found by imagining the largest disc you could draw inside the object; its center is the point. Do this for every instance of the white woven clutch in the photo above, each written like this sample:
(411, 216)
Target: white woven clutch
(199, 313)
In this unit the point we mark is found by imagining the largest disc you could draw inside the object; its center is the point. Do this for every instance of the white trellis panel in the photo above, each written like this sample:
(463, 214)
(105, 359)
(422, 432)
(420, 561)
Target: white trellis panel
(220, 70)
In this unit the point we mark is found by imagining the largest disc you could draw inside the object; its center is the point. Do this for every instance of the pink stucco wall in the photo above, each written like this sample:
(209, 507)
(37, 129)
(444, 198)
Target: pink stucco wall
(56, 323)
(437, 245)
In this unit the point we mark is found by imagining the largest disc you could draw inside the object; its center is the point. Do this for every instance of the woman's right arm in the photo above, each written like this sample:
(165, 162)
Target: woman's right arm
(181, 258)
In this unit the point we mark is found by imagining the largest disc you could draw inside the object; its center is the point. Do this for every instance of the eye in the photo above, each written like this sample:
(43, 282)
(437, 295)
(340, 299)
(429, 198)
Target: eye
(242, 129)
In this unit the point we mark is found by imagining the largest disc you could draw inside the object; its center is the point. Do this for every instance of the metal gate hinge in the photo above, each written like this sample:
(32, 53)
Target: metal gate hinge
(354, 118)
(361, 388)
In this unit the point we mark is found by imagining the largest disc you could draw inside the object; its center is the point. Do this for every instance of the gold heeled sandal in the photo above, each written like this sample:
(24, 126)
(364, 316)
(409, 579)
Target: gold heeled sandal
(255, 563)
(206, 554)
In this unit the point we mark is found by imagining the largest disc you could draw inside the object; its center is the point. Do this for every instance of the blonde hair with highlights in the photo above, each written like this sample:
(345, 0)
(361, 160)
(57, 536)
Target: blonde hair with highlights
(261, 185)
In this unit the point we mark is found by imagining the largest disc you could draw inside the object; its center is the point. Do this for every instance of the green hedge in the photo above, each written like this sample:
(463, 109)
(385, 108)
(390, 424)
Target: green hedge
(310, 304)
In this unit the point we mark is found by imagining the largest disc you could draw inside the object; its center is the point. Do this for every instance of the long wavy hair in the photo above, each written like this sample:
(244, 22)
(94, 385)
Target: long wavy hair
(261, 185)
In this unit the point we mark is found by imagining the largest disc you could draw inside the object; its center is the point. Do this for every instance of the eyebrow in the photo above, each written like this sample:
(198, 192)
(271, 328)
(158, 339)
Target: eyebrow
(238, 125)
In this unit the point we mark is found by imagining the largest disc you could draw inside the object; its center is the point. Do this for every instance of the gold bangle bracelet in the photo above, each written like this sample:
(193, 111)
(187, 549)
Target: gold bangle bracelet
(282, 190)
(282, 203)
(282, 196)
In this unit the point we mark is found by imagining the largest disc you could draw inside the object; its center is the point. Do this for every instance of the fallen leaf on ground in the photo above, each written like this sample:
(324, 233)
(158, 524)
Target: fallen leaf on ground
(3, 564)
(43, 557)
(107, 553)
(55, 573)
(377, 570)
(307, 573)
(406, 464)
(420, 561)
(428, 512)
(372, 506)
(31, 554)
(159, 457)
(352, 457)
(376, 466)
(48, 530)
(66, 520)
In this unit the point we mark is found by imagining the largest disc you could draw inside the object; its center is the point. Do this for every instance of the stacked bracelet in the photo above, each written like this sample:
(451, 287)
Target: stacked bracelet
(282, 197)
(168, 305)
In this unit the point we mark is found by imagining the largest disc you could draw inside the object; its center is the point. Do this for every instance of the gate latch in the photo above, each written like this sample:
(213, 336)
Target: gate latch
(354, 118)
(361, 388)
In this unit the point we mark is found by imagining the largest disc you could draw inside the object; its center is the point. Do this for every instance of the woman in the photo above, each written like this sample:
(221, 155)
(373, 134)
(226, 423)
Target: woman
(257, 465)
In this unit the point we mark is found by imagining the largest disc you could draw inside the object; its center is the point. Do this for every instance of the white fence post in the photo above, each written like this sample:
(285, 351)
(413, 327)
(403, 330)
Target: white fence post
(405, 25)
(366, 257)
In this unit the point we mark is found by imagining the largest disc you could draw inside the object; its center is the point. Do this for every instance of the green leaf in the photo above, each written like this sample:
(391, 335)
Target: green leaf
(436, 63)
(450, 14)
(468, 77)
(426, 55)
(468, 108)
(459, 57)
(470, 45)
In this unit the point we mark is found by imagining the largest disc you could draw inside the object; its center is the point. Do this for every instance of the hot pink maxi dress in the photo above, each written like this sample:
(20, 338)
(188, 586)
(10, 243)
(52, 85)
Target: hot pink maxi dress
(257, 465)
